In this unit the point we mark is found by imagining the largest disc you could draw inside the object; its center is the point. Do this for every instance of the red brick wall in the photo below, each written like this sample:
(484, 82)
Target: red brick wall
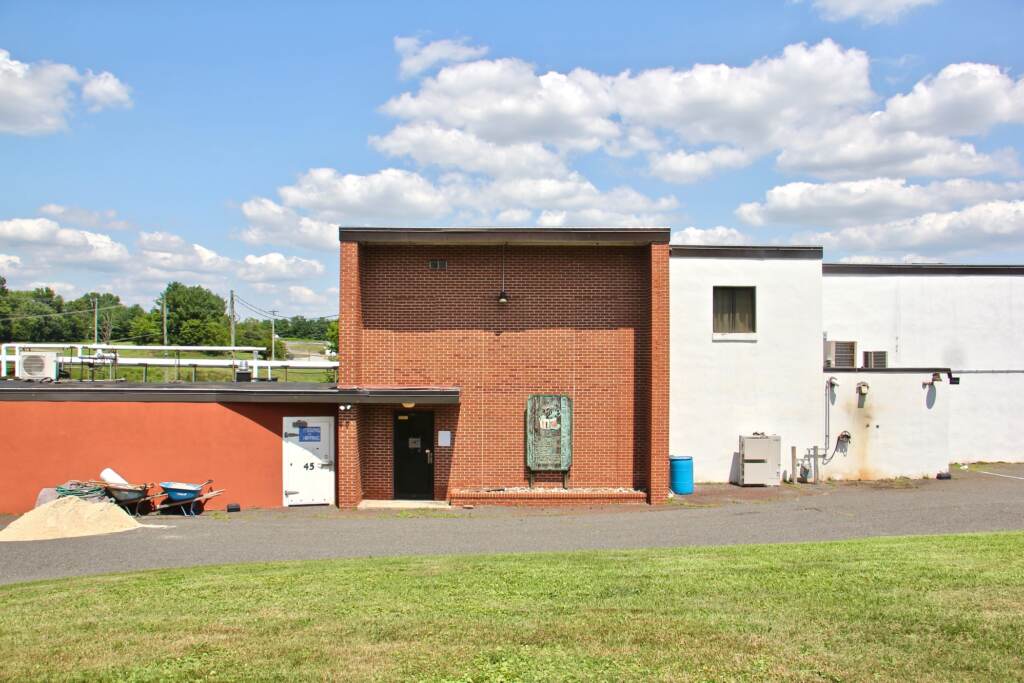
(238, 445)
(579, 323)
(658, 374)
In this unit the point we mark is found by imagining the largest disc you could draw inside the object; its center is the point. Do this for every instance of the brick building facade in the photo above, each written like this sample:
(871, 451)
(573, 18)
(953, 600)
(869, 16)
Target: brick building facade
(427, 344)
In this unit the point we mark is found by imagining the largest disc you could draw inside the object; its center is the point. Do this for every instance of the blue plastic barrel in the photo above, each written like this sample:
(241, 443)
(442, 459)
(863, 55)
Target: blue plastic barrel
(680, 474)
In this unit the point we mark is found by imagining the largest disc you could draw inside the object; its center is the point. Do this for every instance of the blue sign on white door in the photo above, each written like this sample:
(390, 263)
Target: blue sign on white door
(309, 434)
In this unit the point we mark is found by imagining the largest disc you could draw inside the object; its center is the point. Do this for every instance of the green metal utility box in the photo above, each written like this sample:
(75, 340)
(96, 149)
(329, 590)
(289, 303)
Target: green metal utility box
(549, 435)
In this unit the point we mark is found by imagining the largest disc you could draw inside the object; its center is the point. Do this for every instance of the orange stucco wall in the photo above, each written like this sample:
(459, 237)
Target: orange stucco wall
(238, 445)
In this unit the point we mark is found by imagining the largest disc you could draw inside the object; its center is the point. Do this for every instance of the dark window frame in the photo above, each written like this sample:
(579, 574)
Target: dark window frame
(731, 291)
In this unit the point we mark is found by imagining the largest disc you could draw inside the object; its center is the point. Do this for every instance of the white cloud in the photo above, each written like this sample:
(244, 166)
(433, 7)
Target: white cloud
(417, 57)
(870, 11)
(84, 218)
(504, 101)
(886, 260)
(751, 107)
(104, 90)
(430, 144)
(963, 99)
(683, 167)
(866, 145)
(983, 226)
(9, 262)
(271, 223)
(514, 216)
(390, 194)
(705, 236)
(811, 106)
(277, 266)
(36, 98)
(868, 201)
(166, 255)
(306, 296)
(65, 289)
(89, 249)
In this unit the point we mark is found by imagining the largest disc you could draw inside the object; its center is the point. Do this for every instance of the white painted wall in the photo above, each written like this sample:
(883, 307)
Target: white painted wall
(966, 322)
(899, 429)
(721, 389)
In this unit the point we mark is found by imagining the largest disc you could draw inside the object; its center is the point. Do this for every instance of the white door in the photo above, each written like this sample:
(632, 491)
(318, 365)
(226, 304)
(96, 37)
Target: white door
(308, 461)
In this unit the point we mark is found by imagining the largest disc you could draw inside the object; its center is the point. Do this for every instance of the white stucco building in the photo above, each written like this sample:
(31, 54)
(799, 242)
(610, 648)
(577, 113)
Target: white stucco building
(747, 326)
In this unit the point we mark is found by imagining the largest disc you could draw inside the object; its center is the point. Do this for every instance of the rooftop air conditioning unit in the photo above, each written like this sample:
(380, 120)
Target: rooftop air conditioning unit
(875, 359)
(840, 354)
(37, 366)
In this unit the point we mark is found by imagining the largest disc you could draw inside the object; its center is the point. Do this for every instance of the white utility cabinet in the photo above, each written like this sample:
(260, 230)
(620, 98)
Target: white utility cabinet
(760, 460)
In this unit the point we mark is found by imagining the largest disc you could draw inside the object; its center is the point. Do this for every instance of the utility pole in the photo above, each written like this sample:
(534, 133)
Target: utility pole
(95, 321)
(273, 335)
(163, 305)
(232, 313)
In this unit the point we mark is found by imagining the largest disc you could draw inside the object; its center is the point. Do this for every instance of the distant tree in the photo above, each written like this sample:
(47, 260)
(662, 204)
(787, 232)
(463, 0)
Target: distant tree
(145, 329)
(195, 315)
(5, 311)
(201, 333)
(332, 336)
(35, 317)
(252, 332)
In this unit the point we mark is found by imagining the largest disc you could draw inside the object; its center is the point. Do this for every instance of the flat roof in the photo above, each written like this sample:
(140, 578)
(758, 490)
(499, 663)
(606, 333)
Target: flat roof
(220, 392)
(918, 269)
(576, 236)
(747, 251)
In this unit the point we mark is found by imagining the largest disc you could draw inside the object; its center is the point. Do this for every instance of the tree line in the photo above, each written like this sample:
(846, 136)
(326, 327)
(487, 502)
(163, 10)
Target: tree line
(195, 316)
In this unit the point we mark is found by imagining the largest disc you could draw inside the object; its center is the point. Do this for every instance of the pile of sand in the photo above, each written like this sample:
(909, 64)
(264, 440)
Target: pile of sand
(66, 518)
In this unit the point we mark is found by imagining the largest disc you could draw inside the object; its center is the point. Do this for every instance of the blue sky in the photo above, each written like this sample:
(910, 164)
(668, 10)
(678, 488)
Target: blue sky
(221, 143)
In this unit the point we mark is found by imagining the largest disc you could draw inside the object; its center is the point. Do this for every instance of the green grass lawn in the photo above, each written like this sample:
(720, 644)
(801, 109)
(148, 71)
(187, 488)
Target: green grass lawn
(921, 608)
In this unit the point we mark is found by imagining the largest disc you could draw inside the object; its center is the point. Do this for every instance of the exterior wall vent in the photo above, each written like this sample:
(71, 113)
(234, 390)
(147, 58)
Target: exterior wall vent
(438, 264)
(876, 359)
(840, 354)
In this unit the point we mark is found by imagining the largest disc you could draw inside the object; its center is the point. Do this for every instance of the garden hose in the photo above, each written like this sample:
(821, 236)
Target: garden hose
(79, 490)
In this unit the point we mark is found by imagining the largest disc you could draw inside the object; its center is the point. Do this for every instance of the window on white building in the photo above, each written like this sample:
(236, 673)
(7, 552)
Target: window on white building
(734, 310)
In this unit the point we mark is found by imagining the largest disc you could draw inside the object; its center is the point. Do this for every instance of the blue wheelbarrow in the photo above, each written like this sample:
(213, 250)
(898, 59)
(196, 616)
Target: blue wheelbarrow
(185, 495)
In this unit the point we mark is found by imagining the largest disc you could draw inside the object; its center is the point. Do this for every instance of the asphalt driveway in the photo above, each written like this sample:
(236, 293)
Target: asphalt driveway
(720, 515)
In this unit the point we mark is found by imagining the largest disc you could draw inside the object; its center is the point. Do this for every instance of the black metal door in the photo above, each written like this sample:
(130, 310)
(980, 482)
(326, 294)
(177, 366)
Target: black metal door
(414, 454)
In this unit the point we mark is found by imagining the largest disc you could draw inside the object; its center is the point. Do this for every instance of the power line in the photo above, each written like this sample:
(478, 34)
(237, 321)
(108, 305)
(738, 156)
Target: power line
(51, 315)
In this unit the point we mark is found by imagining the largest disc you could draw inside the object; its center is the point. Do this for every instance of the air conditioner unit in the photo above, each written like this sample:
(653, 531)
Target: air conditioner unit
(876, 359)
(33, 365)
(840, 354)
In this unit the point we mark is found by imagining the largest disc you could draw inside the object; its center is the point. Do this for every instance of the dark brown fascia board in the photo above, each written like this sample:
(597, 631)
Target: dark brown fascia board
(596, 236)
(918, 269)
(218, 393)
(446, 396)
(891, 371)
(752, 252)
(948, 372)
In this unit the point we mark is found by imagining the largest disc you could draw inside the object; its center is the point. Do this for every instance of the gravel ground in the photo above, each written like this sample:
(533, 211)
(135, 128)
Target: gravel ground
(718, 515)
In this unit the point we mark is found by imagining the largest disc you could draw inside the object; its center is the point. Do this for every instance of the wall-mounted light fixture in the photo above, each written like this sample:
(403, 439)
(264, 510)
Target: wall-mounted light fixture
(503, 296)
(862, 388)
(343, 407)
(936, 379)
(408, 405)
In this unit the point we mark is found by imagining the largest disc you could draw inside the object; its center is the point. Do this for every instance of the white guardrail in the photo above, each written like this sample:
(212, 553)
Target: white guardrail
(110, 354)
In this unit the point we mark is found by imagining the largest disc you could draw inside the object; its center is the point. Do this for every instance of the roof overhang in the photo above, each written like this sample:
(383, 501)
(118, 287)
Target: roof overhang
(241, 392)
(918, 269)
(419, 395)
(765, 252)
(593, 236)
